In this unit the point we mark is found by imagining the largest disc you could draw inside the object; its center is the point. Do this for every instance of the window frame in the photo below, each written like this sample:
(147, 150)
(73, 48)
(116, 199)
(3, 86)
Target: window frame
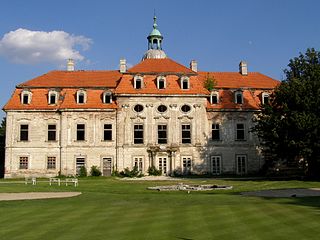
(107, 132)
(138, 161)
(138, 133)
(23, 162)
(162, 80)
(22, 132)
(216, 169)
(184, 139)
(264, 96)
(79, 131)
(186, 164)
(238, 132)
(26, 95)
(51, 163)
(50, 95)
(107, 94)
(244, 164)
(215, 128)
(186, 80)
(51, 131)
(83, 94)
(136, 80)
(238, 100)
(216, 94)
(162, 129)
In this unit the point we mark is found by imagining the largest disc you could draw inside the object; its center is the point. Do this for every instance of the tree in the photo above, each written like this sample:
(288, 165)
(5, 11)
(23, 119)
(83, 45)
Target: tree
(3, 127)
(210, 83)
(289, 125)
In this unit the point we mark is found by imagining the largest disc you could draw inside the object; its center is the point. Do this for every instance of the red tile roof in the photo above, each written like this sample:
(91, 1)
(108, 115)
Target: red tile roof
(79, 79)
(165, 65)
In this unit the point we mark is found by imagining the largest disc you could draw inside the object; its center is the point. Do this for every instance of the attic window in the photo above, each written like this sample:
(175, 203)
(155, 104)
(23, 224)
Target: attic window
(52, 97)
(161, 83)
(81, 97)
(107, 97)
(26, 97)
(238, 97)
(185, 83)
(138, 82)
(214, 98)
(265, 98)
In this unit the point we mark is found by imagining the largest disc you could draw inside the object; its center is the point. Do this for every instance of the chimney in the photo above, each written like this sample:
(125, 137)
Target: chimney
(123, 65)
(194, 65)
(243, 68)
(70, 65)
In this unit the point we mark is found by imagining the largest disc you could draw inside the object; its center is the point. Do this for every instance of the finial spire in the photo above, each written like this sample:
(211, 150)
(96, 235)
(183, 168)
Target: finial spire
(155, 20)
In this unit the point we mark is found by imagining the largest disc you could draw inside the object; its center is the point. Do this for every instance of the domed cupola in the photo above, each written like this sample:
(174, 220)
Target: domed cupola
(154, 43)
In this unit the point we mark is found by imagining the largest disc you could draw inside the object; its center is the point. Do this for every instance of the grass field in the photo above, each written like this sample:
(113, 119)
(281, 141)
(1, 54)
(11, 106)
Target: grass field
(113, 209)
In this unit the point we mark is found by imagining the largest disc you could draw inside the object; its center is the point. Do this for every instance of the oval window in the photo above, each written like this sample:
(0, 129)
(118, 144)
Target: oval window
(138, 108)
(162, 108)
(185, 108)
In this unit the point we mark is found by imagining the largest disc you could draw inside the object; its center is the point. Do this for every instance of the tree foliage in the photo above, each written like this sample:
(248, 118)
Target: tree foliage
(210, 83)
(289, 126)
(3, 127)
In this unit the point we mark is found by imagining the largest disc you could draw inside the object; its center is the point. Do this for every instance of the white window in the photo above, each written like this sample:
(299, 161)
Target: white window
(241, 161)
(265, 98)
(185, 83)
(186, 165)
(138, 163)
(81, 97)
(107, 97)
(52, 97)
(26, 96)
(216, 165)
(163, 165)
(138, 82)
(214, 98)
(161, 83)
(238, 97)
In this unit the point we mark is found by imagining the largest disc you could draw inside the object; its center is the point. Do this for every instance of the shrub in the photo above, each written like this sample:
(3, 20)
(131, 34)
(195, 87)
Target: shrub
(130, 173)
(95, 171)
(153, 171)
(83, 171)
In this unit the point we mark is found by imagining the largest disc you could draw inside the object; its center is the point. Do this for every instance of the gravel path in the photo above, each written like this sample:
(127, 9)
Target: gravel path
(295, 192)
(36, 195)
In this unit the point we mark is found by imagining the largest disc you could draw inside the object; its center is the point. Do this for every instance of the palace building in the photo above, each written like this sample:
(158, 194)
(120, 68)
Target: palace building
(157, 113)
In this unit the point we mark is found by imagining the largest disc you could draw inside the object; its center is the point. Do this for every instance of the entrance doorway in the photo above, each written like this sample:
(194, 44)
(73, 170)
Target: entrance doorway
(107, 166)
(216, 165)
(80, 162)
(163, 165)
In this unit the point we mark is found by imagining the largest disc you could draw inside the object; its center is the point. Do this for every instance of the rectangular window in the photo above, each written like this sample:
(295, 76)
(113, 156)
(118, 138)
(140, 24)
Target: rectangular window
(107, 98)
(23, 163)
(161, 84)
(239, 98)
(81, 98)
(214, 99)
(52, 99)
(138, 83)
(138, 163)
(241, 164)
(265, 98)
(162, 134)
(25, 99)
(80, 163)
(215, 165)
(240, 132)
(138, 134)
(185, 84)
(186, 133)
(186, 165)
(107, 132)
(162, 164)
(215, 132)
(24, 132)
(51, 163)
(80, 132)
(52, 132)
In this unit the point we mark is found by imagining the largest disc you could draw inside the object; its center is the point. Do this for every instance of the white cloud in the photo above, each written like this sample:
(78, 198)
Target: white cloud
(30, 47)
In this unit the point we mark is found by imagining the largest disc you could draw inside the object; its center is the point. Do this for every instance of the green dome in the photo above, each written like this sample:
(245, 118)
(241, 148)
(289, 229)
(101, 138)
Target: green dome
(155, 32)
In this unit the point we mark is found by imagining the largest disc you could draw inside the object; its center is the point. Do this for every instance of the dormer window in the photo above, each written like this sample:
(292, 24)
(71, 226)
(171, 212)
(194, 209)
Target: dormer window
(238, 97)
(81, 97)
(52, 97)
(107, 97)
(185, 83)
(138, 82)
(161, 83)
(214, 98)
(26, 97)
(265, 98)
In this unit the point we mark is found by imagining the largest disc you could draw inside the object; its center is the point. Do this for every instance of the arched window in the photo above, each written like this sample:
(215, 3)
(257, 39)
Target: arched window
(185, 84)
(161, 83)
(26, 96)
(265, 98)
(52, 97)
(238, 97)
(214, 98)
(81, 97)
(138, 82)
(107, 97)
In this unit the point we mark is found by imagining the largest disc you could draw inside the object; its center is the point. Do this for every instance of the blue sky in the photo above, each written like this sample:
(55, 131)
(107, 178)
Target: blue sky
(36, 36)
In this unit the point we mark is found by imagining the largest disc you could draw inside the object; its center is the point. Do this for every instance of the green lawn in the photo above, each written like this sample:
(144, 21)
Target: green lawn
(112, 209)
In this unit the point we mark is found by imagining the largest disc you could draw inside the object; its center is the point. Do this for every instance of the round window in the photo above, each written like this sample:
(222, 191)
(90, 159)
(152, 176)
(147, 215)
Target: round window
(162, 108)
(185, 108)
(138, 108)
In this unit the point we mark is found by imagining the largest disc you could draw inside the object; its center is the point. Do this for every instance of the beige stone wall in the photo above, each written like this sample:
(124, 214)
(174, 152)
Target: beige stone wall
(121, 149)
